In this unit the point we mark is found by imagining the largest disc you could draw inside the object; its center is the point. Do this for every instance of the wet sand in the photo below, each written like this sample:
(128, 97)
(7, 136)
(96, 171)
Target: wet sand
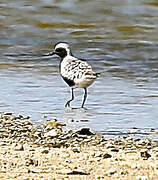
(46, 151)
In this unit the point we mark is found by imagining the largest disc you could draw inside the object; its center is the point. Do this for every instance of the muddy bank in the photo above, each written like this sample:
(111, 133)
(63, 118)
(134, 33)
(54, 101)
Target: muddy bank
(46, 151)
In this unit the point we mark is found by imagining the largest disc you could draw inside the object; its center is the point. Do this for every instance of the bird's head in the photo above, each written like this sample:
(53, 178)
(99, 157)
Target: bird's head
(61, 49)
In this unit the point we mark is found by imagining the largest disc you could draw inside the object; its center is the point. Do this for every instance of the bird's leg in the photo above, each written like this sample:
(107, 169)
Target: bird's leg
(85, 96)
(72, 97)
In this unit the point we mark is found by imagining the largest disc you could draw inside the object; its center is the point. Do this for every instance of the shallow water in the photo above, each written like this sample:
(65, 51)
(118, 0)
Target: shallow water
(118, 38)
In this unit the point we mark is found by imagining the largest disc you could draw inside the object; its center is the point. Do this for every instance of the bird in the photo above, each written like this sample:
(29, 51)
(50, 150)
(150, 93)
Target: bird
(75, 72)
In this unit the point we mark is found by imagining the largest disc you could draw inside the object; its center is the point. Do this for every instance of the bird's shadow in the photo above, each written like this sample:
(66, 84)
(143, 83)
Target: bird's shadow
(76, 109)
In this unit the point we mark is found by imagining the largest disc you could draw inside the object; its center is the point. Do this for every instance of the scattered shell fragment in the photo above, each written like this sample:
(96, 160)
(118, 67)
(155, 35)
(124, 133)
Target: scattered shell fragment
(54, 124)
(111, 171)
(47, 150)
(139, 177)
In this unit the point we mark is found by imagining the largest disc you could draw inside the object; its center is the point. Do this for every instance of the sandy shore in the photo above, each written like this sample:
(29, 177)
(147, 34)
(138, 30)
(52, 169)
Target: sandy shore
(46, 152)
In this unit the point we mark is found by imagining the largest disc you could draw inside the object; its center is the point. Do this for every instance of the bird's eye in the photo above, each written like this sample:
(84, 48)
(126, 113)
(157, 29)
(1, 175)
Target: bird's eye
(59, 50)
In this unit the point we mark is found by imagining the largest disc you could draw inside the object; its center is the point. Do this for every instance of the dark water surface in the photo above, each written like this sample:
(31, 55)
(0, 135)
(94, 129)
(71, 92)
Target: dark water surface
(119, 38)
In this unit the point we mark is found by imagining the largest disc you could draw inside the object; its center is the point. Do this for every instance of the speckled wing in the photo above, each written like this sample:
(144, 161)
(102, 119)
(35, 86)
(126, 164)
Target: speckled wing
(76, 69)
(77, 73)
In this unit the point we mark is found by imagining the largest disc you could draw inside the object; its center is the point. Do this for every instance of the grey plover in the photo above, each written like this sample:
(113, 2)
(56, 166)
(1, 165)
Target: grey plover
(75, 72)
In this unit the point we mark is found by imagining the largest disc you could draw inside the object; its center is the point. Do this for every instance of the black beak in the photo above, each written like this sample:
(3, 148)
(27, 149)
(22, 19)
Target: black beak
(50, 54)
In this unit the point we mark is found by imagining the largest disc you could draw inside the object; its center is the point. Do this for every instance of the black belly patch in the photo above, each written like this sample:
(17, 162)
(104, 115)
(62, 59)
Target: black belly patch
(69, 81)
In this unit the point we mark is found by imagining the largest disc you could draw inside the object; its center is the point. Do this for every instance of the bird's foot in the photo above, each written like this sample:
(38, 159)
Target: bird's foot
(83, 108)
(67, 104)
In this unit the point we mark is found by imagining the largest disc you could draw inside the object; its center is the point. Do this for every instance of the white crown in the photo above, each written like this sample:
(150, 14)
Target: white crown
(62, 45)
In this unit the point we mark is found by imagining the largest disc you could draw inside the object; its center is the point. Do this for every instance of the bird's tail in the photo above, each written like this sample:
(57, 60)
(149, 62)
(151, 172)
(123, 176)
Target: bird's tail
(92, 75)
(97, 74)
